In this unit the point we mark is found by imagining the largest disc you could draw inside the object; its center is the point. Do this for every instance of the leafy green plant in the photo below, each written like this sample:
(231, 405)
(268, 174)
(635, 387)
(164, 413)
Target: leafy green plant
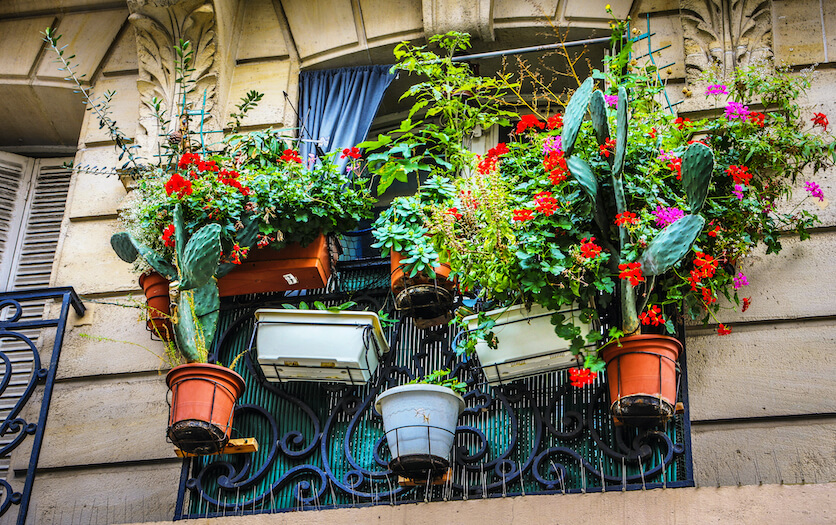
(441, 378)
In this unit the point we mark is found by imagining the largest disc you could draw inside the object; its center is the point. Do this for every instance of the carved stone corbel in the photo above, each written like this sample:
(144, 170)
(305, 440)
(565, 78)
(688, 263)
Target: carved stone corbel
(725, 33)
(160, 26)
(466, 16)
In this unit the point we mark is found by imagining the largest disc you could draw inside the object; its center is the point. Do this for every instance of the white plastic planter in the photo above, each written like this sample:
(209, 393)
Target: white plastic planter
(527, 343)
(420, 424)
(318, 345)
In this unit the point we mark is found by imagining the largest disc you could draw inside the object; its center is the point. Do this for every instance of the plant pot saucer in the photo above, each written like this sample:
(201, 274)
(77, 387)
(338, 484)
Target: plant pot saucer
(419, 466)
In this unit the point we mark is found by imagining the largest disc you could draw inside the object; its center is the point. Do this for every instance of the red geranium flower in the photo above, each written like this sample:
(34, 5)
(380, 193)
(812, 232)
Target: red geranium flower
(168, 236)
(631, 271)
(747, 302)
(578, 377)
(606, 148)
(454, 212)
(555, 121)
(177, 184)
(652, 316)
(681, 123)
(523, 215)
(757, 119)
(529, 121)
(723, 330)
(675, 165)
(545, 203)
(740, 174)
(589, 249)
(820, 119)
(186, 159)
(499, 149)
(627, 217)
(290, 155)
(354, 153)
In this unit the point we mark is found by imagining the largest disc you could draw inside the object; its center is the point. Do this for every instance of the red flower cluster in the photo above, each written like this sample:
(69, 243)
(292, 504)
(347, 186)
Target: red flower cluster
(168, 236)
(579, 377)
(491, 160)
(263, 240)
(740, 174)
(230, 178)
(186, 159)
(715, 231)
(209, 165)
(545, 203)
(606, 148)
(681, 123)
(652, 316)
(708, 296)
(589, 249)
(631, 271)
(522, 215)
(723, 330)
(757, 119)
(290, 155)
(820, 119)
(747, 302)
(675, 165)
(529, 121)
(653, 133)
(237, 254)
(454, 212)
(177, 184)
(555, 121)
(625, 218)
(354, 153)
(555, 164)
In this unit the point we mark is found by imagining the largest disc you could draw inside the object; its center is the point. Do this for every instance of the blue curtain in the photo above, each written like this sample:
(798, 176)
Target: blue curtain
(337, 106)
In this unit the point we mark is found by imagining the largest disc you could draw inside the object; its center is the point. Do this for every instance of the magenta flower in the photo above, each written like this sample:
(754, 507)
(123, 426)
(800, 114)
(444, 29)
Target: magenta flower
(738, 191)
(814, 190)
(666, 216)
(612, 100)
(737, 110)
(552, 144)
(666, 155)
(740, 280)
(716, 89)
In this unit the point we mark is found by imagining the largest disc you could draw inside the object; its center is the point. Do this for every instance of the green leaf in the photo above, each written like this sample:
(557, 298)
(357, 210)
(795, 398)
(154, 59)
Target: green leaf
(574, 114)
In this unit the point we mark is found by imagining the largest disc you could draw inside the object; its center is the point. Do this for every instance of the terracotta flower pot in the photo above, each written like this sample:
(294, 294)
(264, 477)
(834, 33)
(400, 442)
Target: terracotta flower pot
(428, 301)
(158, 304)
(202, 400)
(294, 267)
(642, 378)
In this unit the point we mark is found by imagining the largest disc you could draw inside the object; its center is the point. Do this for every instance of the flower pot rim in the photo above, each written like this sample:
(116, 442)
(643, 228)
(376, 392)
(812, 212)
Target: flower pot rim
(394, 391)
(614, 350)
(234, 376)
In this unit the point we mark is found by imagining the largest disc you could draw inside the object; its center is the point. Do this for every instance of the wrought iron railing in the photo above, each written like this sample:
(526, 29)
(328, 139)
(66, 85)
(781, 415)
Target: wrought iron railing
(21, 323)
(323, 445)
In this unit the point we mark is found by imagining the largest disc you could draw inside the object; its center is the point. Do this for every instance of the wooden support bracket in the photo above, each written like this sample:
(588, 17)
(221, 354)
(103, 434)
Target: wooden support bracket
(235, 446)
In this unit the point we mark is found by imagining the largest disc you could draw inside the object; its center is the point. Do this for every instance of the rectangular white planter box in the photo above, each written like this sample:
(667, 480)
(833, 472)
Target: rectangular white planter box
(318, 345)
(527, 344)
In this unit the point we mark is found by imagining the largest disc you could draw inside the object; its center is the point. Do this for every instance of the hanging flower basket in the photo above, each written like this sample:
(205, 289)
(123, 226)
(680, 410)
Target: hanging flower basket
(319, 345)
(526, 343)
(642, 373)
(158, 305)
(294, 267)
(428, 301)
(420, 424)
(203, 397)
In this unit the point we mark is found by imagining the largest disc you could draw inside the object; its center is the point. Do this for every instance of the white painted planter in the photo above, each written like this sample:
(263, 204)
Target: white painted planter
(420, 424)
(527, 344)
(318, 345)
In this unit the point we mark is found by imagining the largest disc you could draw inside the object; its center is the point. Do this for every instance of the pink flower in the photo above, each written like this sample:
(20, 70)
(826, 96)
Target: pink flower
(736, 110)
(552, 144)
(740, 280)
(666, 216)
(716, 89)
(612, 100)
(738, 191)
(814, 190)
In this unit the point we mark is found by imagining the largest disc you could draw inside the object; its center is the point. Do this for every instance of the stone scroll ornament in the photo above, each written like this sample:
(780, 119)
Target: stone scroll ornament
(162, 27)
(729, 33)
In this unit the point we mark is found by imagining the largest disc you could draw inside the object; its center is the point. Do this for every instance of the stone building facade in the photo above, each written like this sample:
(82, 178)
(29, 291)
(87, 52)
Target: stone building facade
(762, 406)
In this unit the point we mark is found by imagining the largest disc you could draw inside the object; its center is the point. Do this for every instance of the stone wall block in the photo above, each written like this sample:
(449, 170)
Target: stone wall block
(272, 79)
(798, 32)
(123, 110)
(762, 370)
(769, 452)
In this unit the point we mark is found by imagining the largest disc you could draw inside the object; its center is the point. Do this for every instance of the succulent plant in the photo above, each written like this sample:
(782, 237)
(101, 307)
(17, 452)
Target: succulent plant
(196, 268)
(672, 243)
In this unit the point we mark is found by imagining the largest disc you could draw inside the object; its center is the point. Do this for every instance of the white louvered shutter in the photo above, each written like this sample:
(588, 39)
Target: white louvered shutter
(33, 194)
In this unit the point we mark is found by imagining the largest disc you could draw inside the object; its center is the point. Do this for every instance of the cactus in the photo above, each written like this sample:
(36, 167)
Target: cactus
(697, 166)
(672, 243)
(197, 265)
